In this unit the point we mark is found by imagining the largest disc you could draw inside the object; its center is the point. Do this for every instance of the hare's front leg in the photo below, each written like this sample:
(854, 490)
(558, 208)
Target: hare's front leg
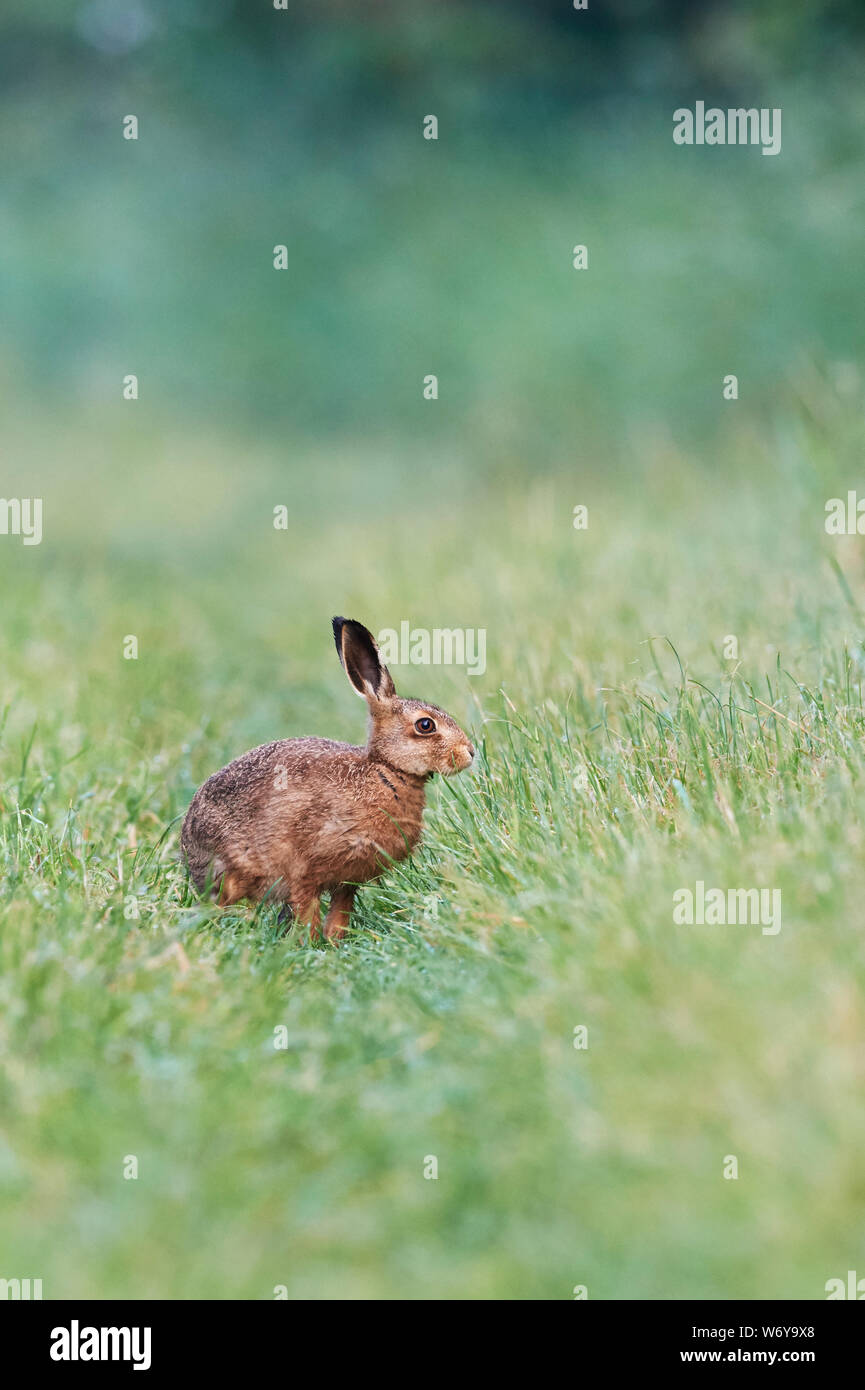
(338, 914)
(306, 911)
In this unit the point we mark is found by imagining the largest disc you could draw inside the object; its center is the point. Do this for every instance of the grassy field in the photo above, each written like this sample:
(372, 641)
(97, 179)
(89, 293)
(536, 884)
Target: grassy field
(622, 757)
(672, 695)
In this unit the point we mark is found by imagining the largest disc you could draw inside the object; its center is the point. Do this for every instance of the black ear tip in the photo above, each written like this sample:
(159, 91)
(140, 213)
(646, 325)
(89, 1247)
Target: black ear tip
(356, 631)
(355, 628)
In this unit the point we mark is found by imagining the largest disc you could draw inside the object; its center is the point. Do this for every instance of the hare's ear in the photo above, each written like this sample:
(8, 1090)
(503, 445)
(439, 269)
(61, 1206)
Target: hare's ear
(361, 661)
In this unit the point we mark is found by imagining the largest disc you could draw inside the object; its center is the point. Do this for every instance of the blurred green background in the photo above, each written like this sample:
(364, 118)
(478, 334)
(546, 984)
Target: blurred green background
(439, 1030)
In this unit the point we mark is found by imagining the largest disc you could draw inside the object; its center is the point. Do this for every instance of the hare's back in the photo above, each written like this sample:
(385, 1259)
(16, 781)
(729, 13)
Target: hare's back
(272, 767)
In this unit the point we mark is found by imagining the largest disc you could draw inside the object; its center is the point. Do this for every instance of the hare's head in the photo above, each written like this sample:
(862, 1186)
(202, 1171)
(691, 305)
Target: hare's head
(411, 735)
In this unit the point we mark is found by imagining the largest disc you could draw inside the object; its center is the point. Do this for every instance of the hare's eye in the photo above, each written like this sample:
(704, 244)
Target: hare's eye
(425, 726)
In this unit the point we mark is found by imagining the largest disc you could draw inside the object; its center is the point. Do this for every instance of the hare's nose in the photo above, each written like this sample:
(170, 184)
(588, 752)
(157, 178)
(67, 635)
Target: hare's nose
(470, 750)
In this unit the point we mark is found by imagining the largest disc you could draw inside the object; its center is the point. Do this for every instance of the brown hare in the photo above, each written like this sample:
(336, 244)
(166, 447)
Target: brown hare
(292, 819)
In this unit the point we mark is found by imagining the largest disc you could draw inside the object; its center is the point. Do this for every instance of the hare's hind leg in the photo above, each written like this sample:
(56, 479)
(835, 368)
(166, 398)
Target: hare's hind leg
(231, 887)
(306, 911)
(339, 912)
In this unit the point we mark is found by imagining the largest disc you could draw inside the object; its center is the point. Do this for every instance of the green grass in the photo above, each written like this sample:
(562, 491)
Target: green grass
(622, 757)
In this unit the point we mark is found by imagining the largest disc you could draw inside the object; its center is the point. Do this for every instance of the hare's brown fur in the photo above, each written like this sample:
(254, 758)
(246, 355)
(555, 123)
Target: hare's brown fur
(293, 819)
